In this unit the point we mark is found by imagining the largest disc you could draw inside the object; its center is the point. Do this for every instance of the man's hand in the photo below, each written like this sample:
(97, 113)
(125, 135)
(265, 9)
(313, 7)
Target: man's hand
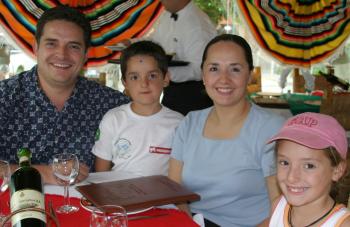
(83, 172)
(49, 178)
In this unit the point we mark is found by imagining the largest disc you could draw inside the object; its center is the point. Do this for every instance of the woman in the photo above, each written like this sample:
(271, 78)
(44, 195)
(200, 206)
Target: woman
(221, 152)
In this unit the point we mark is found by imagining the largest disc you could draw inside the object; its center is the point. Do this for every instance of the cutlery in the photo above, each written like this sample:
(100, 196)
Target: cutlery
(53, 214)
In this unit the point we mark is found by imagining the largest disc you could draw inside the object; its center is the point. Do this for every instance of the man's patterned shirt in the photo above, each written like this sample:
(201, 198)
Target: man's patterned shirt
(29, 119)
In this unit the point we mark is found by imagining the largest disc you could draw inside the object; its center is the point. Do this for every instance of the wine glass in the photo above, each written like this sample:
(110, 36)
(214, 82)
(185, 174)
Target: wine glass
(5, 175)
(65, 168)
(109, 216)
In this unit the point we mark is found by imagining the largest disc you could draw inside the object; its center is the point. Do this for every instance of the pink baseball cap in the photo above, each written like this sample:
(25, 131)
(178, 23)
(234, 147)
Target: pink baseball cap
(314, 130)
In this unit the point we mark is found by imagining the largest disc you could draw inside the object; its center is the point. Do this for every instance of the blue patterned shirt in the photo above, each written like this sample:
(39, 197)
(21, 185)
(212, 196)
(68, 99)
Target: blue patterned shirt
(29, 119)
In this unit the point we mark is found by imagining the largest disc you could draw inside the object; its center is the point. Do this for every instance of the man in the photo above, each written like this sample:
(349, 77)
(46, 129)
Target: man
(51, 109)
(183, 29)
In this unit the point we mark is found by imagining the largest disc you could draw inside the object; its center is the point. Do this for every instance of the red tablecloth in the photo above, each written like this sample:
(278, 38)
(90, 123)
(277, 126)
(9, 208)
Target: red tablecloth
(175, 218)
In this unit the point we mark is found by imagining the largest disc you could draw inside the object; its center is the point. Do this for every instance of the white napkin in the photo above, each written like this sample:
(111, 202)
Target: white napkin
(199, 219)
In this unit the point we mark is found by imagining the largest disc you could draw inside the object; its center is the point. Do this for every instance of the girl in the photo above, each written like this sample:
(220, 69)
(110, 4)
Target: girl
(311, 158)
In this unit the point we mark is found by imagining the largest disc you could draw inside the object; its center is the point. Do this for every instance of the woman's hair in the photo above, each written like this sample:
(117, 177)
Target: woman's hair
(234, 39)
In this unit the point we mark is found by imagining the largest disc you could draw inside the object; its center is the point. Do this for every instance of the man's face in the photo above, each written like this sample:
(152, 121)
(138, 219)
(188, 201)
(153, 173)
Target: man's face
(174, 5)
(61, 54)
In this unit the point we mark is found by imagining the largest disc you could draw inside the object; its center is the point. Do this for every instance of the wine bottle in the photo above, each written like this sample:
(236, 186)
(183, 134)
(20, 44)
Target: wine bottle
(27, 191)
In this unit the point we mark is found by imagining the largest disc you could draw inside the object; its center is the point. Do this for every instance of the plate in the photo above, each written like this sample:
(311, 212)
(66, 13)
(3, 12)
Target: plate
(117, 47)
(87, 205)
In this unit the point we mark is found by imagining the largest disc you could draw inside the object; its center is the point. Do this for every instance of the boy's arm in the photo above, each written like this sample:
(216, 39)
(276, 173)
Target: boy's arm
(102, 164)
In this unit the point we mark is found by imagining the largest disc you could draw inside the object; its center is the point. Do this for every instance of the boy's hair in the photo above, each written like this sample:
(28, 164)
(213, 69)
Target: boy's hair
(147, 48)
(65, 13)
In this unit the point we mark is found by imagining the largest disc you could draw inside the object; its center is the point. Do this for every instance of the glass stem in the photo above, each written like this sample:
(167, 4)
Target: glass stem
(66, 195)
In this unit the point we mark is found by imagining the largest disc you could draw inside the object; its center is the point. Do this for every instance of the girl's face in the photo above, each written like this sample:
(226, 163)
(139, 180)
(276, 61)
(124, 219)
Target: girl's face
(226, 73)
(305, 175)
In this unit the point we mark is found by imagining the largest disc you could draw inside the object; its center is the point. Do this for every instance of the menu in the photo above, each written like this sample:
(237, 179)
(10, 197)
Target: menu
(138, 193)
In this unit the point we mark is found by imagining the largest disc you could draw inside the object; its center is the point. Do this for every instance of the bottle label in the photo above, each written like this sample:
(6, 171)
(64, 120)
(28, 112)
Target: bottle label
(23, 159)
(24, 199)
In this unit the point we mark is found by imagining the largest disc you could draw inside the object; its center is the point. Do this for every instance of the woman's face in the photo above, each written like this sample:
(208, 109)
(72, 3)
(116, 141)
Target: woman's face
(226, 73)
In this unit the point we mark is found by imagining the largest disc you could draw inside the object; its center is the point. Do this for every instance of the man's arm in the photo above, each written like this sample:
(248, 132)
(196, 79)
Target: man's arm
(47, 174)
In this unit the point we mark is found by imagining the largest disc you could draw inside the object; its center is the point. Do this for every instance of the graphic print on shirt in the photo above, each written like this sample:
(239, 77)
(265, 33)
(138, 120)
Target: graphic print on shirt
(122, 149)
(159, 150)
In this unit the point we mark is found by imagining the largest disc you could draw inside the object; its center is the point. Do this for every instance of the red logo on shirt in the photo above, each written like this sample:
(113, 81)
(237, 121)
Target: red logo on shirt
(159, 150)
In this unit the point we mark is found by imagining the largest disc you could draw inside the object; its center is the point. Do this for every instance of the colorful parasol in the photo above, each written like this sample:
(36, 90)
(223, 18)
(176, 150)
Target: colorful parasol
(111, 21)
(300, 32)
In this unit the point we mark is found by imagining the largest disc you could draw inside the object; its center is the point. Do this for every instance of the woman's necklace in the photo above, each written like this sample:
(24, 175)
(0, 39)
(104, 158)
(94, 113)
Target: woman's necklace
(314, 222)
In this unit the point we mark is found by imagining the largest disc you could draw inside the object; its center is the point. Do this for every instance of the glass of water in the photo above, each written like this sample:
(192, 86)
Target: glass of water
(109, 216)
(65, 168)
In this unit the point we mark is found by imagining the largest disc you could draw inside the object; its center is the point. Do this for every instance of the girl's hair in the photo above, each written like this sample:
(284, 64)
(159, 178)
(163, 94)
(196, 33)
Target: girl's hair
(340, 190)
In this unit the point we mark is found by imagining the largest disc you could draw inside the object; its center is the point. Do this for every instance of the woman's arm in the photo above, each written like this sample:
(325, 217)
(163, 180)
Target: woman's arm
(175, 172)
(272, 187)
(274, 194)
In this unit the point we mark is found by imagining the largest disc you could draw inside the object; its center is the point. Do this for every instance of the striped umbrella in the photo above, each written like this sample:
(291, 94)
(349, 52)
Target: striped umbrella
(300, 32)
(111, 21)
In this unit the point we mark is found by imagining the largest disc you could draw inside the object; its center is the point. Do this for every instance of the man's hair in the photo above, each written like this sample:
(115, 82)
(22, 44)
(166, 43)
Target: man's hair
(65, 13)
(147, 48)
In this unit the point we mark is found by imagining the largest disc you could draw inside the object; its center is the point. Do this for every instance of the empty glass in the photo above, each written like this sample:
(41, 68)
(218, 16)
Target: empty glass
(65, 167)
(109, 216)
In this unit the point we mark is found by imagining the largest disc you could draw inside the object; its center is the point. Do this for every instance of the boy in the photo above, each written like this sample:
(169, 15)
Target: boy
(137, 137)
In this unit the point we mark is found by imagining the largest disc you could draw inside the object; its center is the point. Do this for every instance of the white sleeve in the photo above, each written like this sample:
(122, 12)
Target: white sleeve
(193, 47)
(103, 147)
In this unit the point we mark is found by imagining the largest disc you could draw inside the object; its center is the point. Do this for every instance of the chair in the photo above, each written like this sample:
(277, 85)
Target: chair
(338, 106)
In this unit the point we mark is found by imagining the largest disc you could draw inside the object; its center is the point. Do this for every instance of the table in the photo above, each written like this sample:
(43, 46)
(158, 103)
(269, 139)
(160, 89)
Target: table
(173, 217)
(295, 102)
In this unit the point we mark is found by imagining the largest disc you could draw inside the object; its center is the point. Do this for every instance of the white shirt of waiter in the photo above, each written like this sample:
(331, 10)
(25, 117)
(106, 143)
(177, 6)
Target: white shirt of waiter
(186, 37)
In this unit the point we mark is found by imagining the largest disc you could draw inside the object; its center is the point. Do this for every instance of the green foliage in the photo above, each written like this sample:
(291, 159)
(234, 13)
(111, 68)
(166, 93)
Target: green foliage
(214, 8)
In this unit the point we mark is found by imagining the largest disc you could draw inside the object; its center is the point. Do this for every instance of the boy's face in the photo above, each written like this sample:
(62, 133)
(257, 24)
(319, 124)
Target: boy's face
(144, 81)
(304, 174)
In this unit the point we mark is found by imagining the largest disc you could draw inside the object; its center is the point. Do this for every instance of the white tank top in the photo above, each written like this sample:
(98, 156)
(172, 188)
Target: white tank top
(279, 217)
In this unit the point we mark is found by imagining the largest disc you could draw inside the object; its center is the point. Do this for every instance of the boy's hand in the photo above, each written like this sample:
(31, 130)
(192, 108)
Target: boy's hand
(83, 172)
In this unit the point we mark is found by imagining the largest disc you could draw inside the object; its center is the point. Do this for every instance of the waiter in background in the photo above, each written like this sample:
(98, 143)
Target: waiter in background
(183, 30)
